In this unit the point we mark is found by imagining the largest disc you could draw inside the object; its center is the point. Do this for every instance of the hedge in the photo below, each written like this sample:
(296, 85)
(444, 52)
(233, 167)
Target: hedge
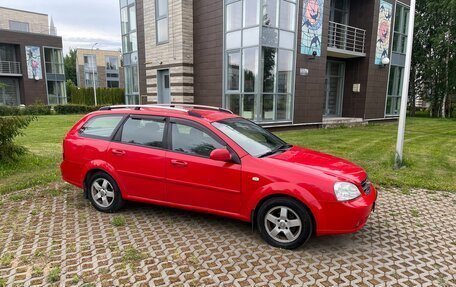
(105, 96)
(27, 110)
(11, 127)
(74, 109)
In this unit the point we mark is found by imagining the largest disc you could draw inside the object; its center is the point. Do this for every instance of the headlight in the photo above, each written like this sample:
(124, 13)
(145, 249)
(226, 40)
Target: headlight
(346, 191)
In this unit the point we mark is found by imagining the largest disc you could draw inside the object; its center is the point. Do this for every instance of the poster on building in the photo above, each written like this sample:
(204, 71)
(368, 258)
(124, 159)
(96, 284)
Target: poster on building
(33, 57)
(384, 30)
(312, 22)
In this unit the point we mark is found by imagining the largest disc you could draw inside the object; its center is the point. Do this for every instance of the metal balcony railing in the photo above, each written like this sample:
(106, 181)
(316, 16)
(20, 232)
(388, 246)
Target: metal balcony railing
(348, 38)
(10, 68)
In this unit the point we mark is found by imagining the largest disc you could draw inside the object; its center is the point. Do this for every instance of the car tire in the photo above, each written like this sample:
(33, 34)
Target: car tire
(104, 193)
(284, 222)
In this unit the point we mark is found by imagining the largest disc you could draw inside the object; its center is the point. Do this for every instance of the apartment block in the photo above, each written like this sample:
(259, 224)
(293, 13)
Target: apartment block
(280, 63)
(101, 68)
(31, 60)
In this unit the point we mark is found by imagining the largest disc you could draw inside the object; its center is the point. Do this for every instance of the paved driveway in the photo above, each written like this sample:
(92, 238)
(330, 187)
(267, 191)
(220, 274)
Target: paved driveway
(53, 236)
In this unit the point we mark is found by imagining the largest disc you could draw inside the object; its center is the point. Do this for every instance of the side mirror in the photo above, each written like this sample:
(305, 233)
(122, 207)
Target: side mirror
(221, 154)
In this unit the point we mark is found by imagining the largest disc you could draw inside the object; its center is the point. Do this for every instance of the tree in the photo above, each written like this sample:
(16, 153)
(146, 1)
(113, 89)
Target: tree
(434, 55)
(70, 66)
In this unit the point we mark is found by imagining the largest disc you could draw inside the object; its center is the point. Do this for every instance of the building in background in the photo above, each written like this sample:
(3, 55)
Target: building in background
(277, 62)
(103, 66)
(31, 60)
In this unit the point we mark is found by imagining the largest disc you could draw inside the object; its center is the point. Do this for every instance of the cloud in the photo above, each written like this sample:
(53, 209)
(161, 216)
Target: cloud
(80, 23)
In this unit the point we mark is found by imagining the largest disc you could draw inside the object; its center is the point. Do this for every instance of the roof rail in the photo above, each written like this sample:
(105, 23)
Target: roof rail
(196, 107)
(138, 107)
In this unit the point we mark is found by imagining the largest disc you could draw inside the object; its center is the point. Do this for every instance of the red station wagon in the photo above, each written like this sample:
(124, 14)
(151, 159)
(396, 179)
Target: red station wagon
(207, 159)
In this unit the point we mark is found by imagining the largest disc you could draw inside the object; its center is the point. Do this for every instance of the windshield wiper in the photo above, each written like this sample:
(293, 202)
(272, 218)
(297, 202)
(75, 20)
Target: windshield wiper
(282, 147)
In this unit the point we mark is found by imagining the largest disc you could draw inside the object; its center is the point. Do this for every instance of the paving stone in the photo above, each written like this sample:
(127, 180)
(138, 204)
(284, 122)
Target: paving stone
(409, 241)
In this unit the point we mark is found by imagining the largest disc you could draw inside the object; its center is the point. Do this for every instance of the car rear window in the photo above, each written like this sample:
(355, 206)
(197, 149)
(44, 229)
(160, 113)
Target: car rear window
(101, 127)
(147, 132)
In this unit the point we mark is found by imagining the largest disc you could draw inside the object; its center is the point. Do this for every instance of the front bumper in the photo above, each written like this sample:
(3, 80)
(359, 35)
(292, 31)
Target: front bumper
(346, 217)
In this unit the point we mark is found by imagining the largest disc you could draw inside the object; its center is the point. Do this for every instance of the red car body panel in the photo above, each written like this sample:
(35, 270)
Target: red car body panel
(168, 178)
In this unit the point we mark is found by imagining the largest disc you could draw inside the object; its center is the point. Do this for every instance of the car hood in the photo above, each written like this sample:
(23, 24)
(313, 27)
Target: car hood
(325, 163)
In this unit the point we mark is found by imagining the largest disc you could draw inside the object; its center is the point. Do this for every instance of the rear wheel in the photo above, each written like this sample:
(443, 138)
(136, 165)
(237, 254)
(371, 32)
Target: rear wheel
(284, 223)
(104, 193)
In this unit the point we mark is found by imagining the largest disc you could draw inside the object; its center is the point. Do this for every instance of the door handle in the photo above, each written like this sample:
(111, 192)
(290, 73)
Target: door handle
(118, 152)
(179, 163)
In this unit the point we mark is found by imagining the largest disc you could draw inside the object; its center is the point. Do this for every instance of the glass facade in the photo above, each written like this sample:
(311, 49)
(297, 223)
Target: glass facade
(395, 82)
(112, 71)
(90, 71)
(130, 50)
(55, 75)
(259, 58)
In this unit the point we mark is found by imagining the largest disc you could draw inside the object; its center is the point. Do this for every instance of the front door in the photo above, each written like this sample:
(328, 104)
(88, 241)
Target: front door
(138, 156)
(334, 89)
(164, 96)
(195, 180)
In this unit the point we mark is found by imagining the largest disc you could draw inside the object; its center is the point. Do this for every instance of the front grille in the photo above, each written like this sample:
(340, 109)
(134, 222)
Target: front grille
(366, 186)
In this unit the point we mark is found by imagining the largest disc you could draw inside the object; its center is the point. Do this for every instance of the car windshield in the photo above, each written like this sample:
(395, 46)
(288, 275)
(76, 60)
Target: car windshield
(252, 138)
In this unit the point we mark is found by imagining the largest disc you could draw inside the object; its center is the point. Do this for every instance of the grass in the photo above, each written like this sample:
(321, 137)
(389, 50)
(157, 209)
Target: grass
(43, 138)
(6, 259)
(430, 152)
(132, 255)
(118, 220)
(54, 275)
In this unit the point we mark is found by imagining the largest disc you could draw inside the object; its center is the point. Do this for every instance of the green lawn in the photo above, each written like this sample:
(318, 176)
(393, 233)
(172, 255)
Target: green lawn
(430, 152)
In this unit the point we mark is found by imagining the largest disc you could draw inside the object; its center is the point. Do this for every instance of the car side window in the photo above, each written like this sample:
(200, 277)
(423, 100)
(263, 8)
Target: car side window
(143, 131)
(191, 140)
(101, 126)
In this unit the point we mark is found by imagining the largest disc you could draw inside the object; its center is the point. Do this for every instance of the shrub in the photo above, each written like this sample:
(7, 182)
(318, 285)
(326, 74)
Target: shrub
(74, 109)
(11, 127)
(27, 110)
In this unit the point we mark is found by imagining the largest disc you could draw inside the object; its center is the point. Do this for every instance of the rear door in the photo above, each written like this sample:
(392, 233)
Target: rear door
(138, 155)
(193, 179)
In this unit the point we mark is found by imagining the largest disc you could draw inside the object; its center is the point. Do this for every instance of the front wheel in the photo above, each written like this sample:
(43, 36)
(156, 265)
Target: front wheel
(104, 193)
(284, 223)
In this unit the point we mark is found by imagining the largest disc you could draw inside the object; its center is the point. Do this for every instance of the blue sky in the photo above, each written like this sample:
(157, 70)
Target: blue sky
(81, 23)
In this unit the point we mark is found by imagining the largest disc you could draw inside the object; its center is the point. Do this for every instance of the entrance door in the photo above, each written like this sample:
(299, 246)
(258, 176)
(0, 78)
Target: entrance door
(335, 77)
(164, 96)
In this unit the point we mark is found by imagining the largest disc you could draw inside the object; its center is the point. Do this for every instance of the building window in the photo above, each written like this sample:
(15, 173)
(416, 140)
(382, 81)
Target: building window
(54, 61)
(56, 93)
(395, 84)
(19, 26)
(401, 29)
(161, 20)
(9, 91)
(90, 71)
(259, 58)
(112, 63)
(130, 52)
(112, 84)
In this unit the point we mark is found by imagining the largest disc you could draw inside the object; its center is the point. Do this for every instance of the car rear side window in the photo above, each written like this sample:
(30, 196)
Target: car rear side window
(101, 127)
(191, 140)
(143, 131)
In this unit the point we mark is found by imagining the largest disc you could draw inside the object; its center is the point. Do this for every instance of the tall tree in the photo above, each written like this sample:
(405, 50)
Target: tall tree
(70, 66)
(434, 55)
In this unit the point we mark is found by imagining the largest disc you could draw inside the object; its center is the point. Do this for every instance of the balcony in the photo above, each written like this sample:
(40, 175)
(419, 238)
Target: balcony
(346, 41)
(8, 68)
